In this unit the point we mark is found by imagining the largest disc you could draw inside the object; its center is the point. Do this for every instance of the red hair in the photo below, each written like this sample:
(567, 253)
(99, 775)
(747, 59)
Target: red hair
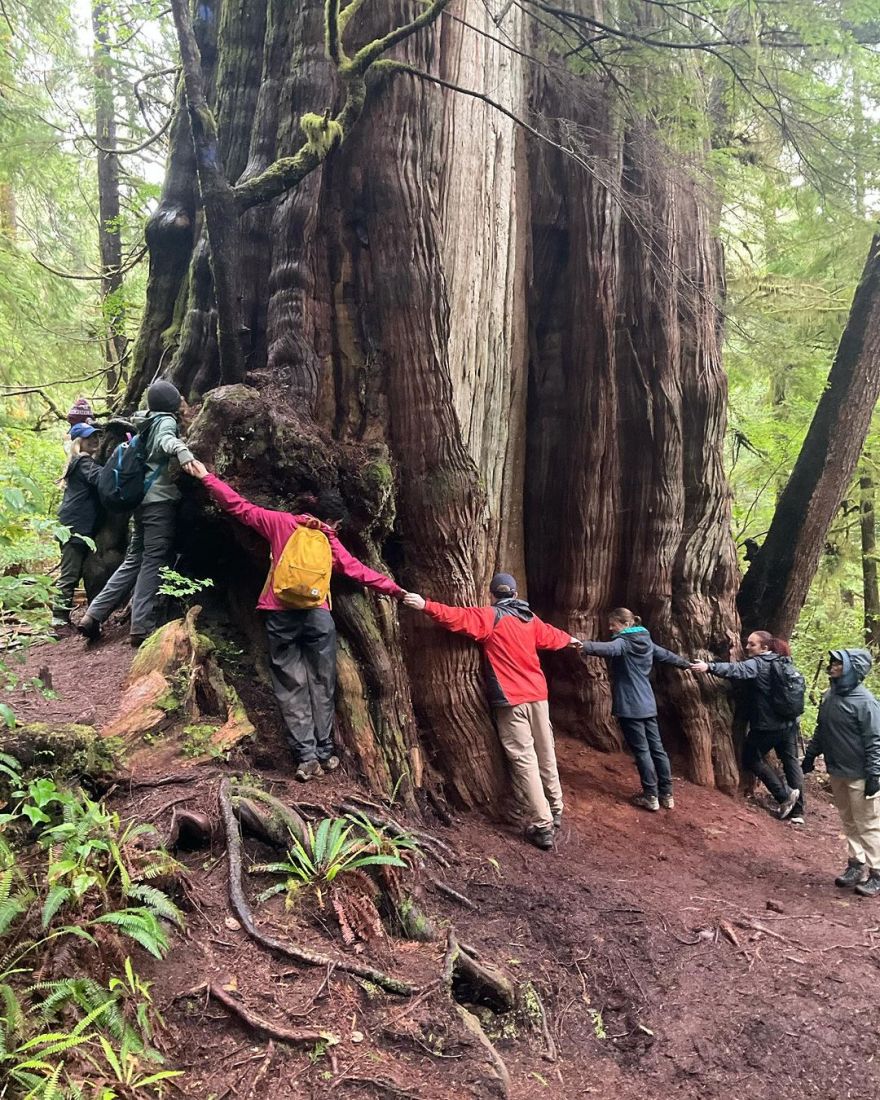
(775, 645)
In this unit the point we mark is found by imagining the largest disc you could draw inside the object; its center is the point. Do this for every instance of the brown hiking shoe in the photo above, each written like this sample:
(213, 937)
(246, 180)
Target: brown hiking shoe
(330, 764)
(309, 769)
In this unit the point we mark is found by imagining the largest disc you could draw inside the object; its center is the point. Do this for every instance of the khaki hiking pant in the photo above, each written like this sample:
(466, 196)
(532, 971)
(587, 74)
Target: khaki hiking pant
(860, 817)
(527, 737)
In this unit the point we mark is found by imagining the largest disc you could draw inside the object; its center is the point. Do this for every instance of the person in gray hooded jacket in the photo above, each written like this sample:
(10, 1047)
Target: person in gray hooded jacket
(152, 532)
(848, 736)
(631, 654)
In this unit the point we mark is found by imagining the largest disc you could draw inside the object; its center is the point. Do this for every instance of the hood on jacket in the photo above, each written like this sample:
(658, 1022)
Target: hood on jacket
(637, 637)
(512, 606)
(145, 417)
(856, 666)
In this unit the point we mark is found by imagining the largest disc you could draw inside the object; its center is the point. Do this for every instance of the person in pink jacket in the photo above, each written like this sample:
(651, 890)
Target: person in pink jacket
(302, 643)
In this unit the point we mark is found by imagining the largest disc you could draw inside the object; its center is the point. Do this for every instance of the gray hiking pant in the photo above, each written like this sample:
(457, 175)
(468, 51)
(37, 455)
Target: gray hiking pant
(149, 547)
(302, 661)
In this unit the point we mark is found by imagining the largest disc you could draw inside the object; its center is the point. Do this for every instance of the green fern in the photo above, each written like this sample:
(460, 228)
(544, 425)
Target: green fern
(158, 902)
(140, 925)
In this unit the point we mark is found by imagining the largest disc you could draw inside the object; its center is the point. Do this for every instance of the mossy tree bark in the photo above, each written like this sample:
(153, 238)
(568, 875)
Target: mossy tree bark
(464, 335)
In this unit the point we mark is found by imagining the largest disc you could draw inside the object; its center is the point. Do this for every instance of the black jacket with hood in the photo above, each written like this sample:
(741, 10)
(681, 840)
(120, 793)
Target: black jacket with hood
(631, 654)
(80, 505)
(756, 672)
(848, 727)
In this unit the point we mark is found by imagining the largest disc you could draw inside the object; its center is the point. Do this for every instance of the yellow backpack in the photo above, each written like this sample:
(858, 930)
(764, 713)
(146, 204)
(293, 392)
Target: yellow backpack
(301, 577)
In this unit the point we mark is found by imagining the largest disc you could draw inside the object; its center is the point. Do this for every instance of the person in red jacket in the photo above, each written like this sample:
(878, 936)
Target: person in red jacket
(302, 642)
(511, 635)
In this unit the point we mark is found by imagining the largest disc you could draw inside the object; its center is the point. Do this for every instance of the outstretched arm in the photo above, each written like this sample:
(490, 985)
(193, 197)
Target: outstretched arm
(735, 670)
(475, 622)
(349, 566)
(667, 657)
(613, 648)
(263, 520)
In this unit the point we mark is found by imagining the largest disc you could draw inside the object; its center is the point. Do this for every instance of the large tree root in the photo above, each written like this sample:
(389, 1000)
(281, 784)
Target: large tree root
(300, 954)
(267, 1027)
(475, 1028)
(267, 816)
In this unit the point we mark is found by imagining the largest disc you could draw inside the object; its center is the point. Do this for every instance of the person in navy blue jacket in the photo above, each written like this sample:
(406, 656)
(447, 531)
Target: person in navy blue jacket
(631, 654)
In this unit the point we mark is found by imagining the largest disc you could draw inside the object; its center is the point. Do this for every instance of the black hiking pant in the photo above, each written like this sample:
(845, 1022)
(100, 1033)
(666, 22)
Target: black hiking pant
(149, 548)
(643, 737)
(784, 742)
(302, 661)
(73, 558)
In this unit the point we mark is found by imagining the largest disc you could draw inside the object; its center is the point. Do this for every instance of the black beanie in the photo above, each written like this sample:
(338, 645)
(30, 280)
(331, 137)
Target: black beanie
(162, 397)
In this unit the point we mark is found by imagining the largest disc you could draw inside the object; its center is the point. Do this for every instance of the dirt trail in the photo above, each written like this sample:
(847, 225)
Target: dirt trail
(662, 969)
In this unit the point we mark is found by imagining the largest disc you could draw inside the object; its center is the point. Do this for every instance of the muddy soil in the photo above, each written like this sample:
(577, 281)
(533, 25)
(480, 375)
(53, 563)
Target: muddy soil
(697, 952)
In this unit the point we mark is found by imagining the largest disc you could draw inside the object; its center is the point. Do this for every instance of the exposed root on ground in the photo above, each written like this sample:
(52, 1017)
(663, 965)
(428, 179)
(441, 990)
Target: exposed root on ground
(304, 955)
(262, 1025)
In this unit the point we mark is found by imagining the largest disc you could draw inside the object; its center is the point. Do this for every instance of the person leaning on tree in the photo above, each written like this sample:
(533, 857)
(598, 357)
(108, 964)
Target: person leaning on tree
(848, 736)
(511, 635)
(631, 654)
(302, 640)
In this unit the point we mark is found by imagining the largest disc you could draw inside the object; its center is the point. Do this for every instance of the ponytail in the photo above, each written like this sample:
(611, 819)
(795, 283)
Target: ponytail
(625, 616)
(775, 645)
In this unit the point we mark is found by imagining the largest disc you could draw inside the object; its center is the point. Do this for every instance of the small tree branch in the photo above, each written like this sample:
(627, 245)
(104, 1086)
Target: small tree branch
(370, 53)
(331, 32)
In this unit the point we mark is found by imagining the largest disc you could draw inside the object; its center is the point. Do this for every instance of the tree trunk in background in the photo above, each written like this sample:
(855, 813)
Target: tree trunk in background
(462, 332)
(109, 240)
(870, 589)
(778, 580)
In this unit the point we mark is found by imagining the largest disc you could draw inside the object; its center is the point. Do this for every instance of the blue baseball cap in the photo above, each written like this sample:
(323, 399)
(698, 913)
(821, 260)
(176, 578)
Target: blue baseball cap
(83, 431)
(503, 584)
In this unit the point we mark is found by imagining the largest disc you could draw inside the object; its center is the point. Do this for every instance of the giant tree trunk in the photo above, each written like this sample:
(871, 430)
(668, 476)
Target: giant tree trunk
(868, 543)
(109, 239)
(779, 577)
(464, 334)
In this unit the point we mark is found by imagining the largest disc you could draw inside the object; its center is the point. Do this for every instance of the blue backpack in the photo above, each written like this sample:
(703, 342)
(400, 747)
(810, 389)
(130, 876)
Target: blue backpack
(124, 481)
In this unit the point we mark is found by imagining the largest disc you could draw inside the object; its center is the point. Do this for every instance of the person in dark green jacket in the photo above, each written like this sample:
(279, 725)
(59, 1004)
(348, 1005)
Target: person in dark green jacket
(153, 522)
(631, 653)
(848, 736)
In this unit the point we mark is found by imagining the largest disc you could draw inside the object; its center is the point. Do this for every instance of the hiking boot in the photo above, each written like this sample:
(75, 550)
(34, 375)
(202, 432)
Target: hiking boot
(541, 836)
(89, 628)
(788, 805)
(309, 769)
(796, 819)
(667, 801)
(853, 874)
(870, 888)
(330, 764)
(137, 640)
(646, 802)
(557, 820)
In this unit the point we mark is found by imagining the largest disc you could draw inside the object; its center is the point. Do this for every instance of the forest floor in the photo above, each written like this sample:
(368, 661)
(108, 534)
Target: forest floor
(698, 952)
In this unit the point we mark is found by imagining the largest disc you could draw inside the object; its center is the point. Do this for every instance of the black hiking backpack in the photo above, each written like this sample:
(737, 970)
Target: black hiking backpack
(123, 482)
(787, 688)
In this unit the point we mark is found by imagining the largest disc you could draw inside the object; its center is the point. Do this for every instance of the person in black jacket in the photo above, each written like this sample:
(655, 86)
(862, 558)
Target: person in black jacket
(631, 654)
(768, 731)
(848, 736)
(78, 512)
